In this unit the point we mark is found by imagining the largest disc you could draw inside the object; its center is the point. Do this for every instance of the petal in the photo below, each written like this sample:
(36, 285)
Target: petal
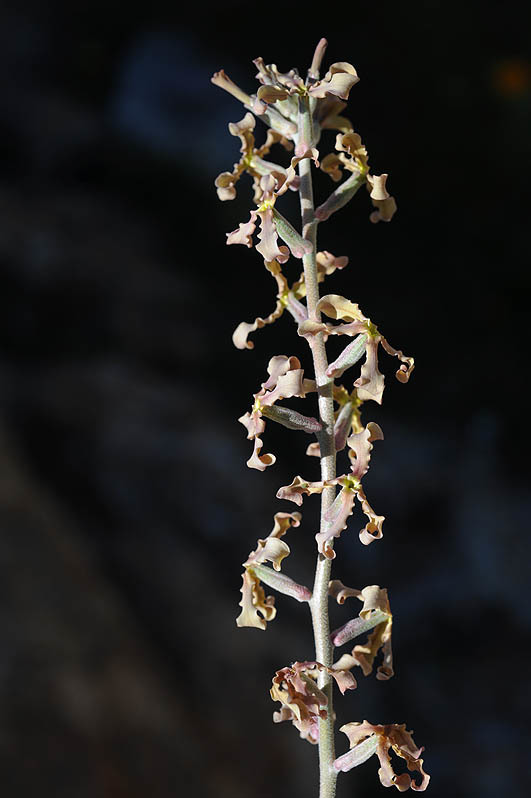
(371, 383)
(273, 549)
(331, 164)
(270, 94)
(243, 235)
(385, 210)
(335, 518)
(373, 528)
(243, 330)
(361, 448)
(244, 130)
(328, 263)
(352, 144)
(340, 592)
(298, 488)
(254, 601)
(404, 372)
(338, 81)
(277, 367)
(337, 307)
(378, 189)
(260, 461)
(268, 246)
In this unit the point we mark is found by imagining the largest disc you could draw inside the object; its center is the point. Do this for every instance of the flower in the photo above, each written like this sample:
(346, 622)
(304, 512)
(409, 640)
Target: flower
(274, 550)
(376, 615)
(302, 701)
(286, 379)
(367, 739)
(252, 160)
(272, 223)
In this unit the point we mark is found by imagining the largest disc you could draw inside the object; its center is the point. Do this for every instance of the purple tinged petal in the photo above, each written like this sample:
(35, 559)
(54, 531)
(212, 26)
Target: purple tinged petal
(361, 447)
(268, 246)
(270, 94)
(244, 233)
(371, 383)
(298, 488)
(373, 529)
(335, 518)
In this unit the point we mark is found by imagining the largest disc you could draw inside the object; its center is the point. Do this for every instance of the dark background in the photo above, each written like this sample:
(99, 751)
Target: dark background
(126, 507)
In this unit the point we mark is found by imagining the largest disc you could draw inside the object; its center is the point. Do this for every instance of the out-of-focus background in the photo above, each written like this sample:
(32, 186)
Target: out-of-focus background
(126, 507)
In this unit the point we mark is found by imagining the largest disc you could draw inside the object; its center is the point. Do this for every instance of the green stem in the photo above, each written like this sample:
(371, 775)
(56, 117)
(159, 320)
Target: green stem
(319, 601)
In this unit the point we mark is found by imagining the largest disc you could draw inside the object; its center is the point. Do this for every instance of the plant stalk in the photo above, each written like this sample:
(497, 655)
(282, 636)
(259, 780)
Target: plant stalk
(319, 601)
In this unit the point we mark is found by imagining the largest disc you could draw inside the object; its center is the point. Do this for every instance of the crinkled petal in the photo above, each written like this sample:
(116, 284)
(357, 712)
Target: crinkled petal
(339, 80)
(260, 461)
(254, 602)
(385, 210)
(339, 591)
(360, 445)
(352, 144)
(338, 307)
(277, 367)
(331, 164)
(298, 488)
(242, 331)
(336, 518)
(366, 738)
(244, 233)
(328, 263)
(408, 363)
(270, 94)
(268, 246)
(371, 382)
(373, 529)
(302, 701)
(272, 548)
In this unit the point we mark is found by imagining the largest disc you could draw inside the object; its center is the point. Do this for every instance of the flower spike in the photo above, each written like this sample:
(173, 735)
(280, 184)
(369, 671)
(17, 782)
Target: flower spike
(295, 111)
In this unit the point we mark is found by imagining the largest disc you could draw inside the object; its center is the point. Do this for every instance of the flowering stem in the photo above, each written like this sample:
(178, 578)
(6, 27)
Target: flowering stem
(319, 601)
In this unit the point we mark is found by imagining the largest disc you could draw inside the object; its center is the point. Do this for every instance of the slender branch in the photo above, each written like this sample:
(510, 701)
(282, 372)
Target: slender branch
(319, 601)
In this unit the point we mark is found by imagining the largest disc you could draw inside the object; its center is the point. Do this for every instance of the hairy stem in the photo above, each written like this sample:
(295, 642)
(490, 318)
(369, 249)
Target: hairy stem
(319, 601)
